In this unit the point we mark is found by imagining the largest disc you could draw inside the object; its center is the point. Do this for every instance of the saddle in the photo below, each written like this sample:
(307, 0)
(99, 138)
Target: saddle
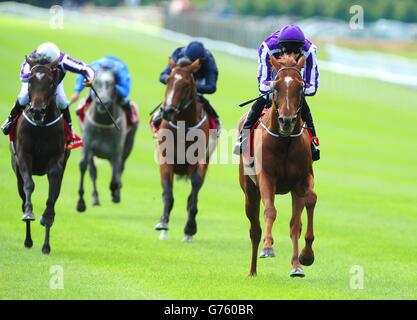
(84, 106)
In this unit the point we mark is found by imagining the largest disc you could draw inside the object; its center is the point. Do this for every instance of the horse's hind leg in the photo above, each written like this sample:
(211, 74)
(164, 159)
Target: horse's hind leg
(190, 228)
(307, 254)
(295, 229)
(83, 168)
(252, 205)
(93, 175)
(115, 184)
(55, 174)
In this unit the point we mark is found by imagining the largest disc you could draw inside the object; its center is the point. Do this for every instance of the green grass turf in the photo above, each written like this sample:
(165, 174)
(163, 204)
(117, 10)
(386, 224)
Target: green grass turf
(366, 184)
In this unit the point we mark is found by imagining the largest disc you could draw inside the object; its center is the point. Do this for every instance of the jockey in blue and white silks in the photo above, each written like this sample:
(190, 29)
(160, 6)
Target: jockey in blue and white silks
(46, 53)
(289, 40)
(122, 81)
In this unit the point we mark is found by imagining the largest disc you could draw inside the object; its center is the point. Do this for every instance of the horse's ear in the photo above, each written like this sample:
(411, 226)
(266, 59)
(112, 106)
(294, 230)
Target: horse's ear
(195, 66)
(54, 64)
(301, 62)
(30, 62)
(171, 63)
(276, 64)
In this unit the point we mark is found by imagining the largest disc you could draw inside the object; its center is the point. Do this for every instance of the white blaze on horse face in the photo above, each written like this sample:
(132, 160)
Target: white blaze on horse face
(39, 75)
(177, 77)
(288, 80)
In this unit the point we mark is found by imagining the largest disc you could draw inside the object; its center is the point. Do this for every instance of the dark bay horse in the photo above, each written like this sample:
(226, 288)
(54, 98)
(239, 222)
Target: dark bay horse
(39, 147)
(283, 158)
(183, 141)
(103, 139)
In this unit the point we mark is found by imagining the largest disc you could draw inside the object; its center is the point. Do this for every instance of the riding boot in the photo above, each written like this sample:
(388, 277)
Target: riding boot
(157, 119)
(67, 117)
(253, 115)
(308, 118)
(126, 107)
(211, 112)
(16, 110)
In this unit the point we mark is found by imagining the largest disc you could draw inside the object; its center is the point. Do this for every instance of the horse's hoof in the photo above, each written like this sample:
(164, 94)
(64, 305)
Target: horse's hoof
(81, 207)
(306, 261)
(95, 202)
(28, 243)
(161, 226)
(297, 273)
(46, 249)
(187, 238)
(28, 216)
(163, 235)
(267, 253)
(116, 199)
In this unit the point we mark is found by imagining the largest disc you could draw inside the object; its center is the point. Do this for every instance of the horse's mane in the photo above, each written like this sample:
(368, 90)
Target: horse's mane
(287, 61)
(183, 62)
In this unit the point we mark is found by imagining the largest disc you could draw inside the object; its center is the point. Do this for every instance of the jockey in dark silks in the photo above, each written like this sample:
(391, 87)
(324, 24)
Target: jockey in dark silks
(205, 77)
(289, 40)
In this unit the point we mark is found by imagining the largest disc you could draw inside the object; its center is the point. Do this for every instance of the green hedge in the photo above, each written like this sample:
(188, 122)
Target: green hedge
(404, 10)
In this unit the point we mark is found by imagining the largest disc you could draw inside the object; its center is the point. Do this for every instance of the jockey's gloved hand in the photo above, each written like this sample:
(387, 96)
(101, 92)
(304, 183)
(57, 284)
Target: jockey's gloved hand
(87, 82)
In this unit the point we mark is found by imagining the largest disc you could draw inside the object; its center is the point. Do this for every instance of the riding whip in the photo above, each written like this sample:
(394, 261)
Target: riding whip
(259, 97)
(156, 108)
(109, 113)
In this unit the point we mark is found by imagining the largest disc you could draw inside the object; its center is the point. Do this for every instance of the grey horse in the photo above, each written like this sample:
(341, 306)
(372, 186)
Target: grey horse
(103, 139)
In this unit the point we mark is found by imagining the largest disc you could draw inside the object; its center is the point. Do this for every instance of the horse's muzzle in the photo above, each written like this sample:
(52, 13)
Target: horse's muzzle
(286, 124)
(38, 114)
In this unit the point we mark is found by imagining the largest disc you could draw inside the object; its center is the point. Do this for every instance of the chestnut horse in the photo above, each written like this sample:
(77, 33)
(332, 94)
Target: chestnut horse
(38, 146)
(183, 141)
(282, 156)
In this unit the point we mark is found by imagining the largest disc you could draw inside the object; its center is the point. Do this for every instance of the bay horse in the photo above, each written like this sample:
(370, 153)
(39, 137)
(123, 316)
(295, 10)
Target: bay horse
(183, 116)
(282, 154)
(103, 139)
(39, 146)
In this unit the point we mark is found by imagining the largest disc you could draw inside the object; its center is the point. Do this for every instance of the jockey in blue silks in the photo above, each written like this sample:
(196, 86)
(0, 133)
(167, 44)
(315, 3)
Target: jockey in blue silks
(205, 77)
(122, 81)
(289, 40)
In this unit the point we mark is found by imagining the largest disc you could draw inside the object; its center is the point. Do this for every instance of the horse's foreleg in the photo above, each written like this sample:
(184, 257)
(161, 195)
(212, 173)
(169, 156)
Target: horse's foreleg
(28, 240)
(167, 181)
(115, 180)
(267, 187)
(295, 229)
(93, 175)
(190, 228)
(55, 175)
(28, 186)
(307, 254)
(83, 168)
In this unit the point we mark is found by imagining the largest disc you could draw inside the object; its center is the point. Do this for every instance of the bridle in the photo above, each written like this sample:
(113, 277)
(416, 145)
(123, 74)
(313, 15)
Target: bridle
(300, 105)
(183, 105)
(48, 100)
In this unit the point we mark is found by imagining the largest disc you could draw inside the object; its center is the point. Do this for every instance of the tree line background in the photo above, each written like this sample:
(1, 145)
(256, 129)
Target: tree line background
(403, 10)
